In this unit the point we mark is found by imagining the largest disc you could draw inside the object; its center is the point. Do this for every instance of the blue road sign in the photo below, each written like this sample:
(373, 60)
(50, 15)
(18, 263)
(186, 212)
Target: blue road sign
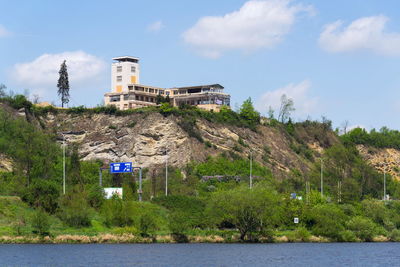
(121, 167)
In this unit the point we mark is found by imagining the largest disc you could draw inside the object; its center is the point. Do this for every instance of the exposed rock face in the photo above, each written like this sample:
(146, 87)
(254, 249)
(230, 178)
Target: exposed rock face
(384, 160)
(5, 164)
(143, 139)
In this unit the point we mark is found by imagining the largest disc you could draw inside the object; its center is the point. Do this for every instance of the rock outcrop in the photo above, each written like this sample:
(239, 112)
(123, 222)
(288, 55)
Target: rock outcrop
(143, 139)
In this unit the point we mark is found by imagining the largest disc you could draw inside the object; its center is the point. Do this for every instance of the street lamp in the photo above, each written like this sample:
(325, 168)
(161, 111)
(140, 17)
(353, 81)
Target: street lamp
(166, 172)
(251, 178)
(322, 179)
(63, 162)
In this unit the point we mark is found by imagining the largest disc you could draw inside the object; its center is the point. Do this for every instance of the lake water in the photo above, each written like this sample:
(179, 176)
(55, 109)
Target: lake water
(288, 254)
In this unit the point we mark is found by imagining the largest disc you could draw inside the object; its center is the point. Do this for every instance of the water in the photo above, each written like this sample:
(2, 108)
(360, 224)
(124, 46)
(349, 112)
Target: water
(300, 254)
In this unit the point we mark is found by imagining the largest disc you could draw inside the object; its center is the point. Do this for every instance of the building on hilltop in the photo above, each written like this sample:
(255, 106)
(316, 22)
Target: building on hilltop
(128, 93)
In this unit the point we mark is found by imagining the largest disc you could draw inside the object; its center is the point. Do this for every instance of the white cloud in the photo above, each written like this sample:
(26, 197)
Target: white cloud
(3, 31)
(257, 24)
(155, 26)
(43, 71)
(366, 33)
(303, 103)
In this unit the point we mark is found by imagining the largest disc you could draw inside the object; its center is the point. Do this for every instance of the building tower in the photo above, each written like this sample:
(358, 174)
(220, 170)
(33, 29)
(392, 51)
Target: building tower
(124, 71)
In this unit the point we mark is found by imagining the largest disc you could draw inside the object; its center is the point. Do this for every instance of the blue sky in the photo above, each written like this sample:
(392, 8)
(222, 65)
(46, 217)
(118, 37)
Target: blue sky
(338, 59)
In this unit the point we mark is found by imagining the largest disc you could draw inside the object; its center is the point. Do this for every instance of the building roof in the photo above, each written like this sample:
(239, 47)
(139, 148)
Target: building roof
(200, 86)
(126, 58)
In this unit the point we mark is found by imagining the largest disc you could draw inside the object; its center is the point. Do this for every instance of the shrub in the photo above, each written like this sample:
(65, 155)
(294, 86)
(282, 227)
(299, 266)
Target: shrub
(75, 211)
(347, 236)
(300, 234)
(95, 196)
(132, 124)
(117, 212)
(363, 228)
(147, 224)
(178, 226)
(188, 124)
(41, 222)
(42, 193)
(326, 220)
(395, 235)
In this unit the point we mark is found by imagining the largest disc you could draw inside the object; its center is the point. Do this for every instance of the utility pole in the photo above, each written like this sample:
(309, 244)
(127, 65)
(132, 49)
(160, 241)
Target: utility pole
(63, 164)
(166, 172)
(251, 163)
(322, 180)
(384, 183)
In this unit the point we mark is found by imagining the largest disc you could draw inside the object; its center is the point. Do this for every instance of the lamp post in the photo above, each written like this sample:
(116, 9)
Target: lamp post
(251, 163)
(63, 163)
(322, 179)
(166, 172)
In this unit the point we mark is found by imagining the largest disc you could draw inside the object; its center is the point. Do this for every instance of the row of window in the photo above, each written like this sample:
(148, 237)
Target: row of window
(119, 68)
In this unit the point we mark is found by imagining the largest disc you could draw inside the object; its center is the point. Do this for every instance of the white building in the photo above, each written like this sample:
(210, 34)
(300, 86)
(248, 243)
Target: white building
(128, 93)
(124, 71)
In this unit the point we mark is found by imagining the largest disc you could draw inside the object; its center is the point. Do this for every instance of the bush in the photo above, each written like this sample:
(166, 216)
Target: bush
(326, 220)
(347, 236)
(41, 222)
(395, 235)
(363, 228)
(42, 193)
(178, 226)
(300, 234)
(147, 224)
(96, 196)
(188, 124)
(75, 211)
(117, 212)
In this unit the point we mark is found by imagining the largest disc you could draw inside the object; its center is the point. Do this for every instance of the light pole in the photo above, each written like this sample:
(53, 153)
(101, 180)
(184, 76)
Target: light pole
(63, 163)
(384, 183)
(251, 178)
(322, 179)
(166, 172)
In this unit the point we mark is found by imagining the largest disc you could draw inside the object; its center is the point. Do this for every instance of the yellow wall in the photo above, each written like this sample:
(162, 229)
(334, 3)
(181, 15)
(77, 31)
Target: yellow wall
(119, 88)
(133, 79)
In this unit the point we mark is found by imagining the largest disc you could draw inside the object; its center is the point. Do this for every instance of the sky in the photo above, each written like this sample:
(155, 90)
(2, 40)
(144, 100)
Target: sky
(338, 59)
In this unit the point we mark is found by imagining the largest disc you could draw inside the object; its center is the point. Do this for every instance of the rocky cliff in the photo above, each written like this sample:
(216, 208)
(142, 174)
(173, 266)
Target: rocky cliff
(143, 138)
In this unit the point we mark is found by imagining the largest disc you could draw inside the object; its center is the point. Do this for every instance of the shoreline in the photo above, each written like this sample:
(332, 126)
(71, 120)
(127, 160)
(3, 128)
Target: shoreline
(161, 239)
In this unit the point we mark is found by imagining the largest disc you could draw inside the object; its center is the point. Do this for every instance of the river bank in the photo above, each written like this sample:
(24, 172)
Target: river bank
(134, 239)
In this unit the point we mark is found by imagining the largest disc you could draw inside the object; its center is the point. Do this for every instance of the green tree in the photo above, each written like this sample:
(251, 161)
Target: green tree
(41, 222)
(248, 113)
(74, 209)
(42, 194)
(63, 84)
(254, 212)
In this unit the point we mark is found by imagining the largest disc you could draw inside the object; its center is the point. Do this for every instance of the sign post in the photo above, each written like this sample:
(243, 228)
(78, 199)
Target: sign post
(123, 167)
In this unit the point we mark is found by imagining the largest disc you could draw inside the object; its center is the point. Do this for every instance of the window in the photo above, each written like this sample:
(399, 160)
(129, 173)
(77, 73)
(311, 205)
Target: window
(119, 68)
(133, 69)
(115, 98)
(126, 97)
(119, 78)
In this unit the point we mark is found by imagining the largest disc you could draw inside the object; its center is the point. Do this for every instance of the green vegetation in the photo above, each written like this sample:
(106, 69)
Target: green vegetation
(207, 201)
(384, 138)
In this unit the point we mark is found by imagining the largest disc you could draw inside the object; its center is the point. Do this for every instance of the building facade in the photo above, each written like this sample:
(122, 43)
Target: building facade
(128, 93)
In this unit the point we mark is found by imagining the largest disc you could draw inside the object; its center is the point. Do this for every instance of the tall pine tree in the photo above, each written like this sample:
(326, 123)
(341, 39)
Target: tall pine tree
(63, 84)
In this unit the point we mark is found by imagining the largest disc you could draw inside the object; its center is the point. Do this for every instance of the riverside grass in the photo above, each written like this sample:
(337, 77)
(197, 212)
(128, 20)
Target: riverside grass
(107, 238)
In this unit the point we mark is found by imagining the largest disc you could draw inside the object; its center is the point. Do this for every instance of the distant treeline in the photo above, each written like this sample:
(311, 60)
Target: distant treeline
(384, 138)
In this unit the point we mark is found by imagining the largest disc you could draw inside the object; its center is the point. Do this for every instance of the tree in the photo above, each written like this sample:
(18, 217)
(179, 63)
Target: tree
(287, 107)
(248, 113)
(41, 222)
(270, 113)
(254, 212)
(2, 90)
(63, 84)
